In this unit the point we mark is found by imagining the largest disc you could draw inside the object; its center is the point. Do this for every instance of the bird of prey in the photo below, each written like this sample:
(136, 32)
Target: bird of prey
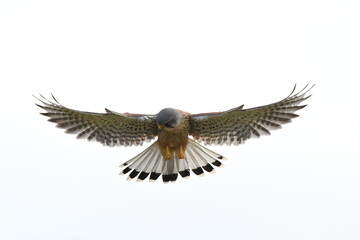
(174, 152)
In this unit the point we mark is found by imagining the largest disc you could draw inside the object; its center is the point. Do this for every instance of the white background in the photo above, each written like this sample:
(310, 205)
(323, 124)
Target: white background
(302, 182)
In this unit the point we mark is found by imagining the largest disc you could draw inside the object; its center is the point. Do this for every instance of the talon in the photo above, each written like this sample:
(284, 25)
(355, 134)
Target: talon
(181, 152)
(168, 154)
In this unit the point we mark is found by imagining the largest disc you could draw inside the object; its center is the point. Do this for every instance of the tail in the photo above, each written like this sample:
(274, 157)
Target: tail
(151, 162)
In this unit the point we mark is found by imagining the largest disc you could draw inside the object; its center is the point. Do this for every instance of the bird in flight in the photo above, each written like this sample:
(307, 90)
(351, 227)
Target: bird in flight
(174, 153)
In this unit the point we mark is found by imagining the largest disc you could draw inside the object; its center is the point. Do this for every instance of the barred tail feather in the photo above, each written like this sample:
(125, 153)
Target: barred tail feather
(151, 163)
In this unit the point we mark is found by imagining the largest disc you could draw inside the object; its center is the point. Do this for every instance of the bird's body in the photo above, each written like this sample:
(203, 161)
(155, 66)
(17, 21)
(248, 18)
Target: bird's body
(174, 140)
(174, 152)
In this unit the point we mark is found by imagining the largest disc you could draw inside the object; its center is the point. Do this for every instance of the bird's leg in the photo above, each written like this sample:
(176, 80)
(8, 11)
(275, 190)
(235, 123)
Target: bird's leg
(168, 154)
(181, 153)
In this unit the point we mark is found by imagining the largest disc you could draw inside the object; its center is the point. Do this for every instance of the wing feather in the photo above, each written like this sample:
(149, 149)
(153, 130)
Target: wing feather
(108, 128)
(237, 125)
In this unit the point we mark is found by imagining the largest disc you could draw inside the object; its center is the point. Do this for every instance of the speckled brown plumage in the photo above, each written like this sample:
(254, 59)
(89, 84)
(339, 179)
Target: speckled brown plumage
(237, 125)
(108, 128)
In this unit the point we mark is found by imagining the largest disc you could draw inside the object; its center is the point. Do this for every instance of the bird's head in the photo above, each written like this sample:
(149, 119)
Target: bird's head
(168, 118)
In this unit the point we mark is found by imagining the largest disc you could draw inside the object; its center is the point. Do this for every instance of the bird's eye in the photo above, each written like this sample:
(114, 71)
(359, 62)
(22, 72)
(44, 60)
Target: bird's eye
(170, 124)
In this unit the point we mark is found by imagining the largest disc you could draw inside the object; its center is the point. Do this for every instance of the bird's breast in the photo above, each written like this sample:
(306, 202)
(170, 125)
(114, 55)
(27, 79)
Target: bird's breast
(173, 138)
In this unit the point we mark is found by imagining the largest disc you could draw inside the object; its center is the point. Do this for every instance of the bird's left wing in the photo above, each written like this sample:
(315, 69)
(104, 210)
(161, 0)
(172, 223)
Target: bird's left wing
(237, 125)
(108, 128)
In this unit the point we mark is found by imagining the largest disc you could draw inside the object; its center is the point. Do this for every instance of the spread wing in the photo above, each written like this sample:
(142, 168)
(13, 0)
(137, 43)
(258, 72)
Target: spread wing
(109, 128)
(237, 125)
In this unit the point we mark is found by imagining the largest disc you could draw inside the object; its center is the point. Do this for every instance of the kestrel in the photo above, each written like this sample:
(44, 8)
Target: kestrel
(174, 152)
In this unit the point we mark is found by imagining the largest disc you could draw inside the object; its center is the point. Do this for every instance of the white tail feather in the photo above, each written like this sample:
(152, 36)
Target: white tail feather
(150, 162)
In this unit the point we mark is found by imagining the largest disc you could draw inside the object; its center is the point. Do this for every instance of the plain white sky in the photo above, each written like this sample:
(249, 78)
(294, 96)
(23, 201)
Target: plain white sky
(141, 56)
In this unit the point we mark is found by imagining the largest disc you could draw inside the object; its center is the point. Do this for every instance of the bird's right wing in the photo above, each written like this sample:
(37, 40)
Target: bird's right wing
(237, 125)
(108, 128)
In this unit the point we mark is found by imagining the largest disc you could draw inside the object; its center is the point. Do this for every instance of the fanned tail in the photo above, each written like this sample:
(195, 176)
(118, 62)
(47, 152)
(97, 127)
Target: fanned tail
(151, 163)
